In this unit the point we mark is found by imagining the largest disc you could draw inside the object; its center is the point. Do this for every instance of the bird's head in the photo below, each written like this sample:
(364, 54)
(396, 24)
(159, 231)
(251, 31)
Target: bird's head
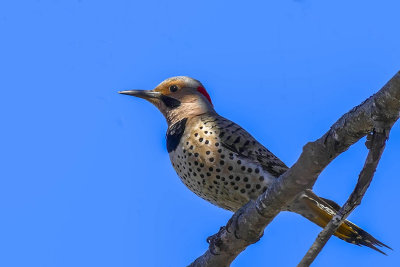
(177, 98)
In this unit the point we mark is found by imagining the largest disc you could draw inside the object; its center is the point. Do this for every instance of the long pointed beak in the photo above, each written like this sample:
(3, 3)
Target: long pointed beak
(146, 94)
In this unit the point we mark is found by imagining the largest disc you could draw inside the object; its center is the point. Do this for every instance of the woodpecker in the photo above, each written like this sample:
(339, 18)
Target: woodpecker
(222, 163)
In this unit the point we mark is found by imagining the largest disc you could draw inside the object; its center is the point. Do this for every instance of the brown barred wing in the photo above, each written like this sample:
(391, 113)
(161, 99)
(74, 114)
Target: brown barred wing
(239, 141)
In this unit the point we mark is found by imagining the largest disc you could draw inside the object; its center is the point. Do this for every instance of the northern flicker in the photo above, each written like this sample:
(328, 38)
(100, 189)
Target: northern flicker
(222, 163)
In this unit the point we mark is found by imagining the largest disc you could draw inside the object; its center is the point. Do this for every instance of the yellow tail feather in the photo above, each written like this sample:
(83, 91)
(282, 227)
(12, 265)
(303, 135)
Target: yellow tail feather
(323, 210)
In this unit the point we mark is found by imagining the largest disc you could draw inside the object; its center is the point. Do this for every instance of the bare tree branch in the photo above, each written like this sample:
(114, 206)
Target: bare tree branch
(247, 225)
(376, 145)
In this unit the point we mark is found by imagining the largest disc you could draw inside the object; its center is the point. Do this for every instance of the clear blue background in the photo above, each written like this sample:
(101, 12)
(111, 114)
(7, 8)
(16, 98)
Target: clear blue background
(85, 179)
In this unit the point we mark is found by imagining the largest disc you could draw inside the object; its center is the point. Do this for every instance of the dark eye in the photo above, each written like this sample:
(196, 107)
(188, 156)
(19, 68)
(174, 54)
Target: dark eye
(173, 88)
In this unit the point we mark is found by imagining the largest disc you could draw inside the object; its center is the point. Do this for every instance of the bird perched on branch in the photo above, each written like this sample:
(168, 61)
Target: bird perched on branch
(222, 163)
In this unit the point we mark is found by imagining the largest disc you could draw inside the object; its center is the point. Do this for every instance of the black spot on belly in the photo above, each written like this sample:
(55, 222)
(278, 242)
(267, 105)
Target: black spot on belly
(174, 134)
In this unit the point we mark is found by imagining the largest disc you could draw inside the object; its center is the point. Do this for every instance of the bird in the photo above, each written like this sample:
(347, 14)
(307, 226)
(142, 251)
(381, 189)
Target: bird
(224, 164)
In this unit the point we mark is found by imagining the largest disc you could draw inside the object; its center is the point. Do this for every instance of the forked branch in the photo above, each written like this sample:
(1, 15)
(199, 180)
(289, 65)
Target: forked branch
(376, 144)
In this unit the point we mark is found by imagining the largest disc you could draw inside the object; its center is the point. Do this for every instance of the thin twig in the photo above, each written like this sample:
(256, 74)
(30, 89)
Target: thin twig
(376, 144)
(247, 225)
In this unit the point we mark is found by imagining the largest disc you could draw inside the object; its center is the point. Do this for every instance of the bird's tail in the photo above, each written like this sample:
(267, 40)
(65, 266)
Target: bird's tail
(320, 211)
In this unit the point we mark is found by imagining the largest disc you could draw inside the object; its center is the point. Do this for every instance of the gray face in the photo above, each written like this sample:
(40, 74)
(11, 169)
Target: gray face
(176, 98)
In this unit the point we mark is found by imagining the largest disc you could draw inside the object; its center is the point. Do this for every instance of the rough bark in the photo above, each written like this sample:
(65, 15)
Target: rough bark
(247, 225)
(376, 145)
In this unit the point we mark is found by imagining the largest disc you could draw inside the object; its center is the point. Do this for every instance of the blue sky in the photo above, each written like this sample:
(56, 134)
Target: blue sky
(85, 179)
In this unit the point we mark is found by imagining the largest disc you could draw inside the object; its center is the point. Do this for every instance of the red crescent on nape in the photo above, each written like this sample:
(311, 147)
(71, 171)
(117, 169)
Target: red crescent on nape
(203, 91)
